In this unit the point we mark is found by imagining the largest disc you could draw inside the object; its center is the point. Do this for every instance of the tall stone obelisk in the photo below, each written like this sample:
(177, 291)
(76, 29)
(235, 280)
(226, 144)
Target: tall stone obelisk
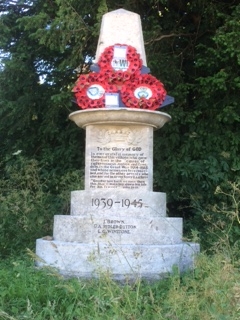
(118, 224)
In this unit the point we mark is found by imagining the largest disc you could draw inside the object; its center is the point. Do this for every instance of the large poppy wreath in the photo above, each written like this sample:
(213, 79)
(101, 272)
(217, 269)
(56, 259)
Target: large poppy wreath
(119, 63)
(90, 90)
(146, 92)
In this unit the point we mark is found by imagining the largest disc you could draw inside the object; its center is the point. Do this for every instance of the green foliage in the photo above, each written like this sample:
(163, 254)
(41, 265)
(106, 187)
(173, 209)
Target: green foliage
(211, 291)
(199, 150)
(23, 206)
(27, 206)
(223, 219)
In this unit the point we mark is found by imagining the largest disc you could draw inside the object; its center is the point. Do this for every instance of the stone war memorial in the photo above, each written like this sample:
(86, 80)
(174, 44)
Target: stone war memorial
(118, 224)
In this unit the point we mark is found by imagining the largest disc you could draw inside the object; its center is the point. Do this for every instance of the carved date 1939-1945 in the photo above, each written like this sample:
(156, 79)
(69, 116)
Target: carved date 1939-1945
(108, 203)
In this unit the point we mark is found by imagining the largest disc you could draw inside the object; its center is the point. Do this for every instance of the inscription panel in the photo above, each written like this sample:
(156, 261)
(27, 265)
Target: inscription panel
(117, 230)
(118, 157)
(114, 227)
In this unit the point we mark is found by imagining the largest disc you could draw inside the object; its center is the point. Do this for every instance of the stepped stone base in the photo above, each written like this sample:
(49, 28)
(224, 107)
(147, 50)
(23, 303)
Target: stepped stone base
(117, 230)
(120, 261)
(120, 202)
(117, 225)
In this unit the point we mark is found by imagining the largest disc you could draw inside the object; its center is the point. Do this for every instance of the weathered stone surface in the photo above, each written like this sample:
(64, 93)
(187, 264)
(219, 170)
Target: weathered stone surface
(122, 261)
(119, 202)
(119, 157)
(115, 230)
(121, 27)
(120, 116)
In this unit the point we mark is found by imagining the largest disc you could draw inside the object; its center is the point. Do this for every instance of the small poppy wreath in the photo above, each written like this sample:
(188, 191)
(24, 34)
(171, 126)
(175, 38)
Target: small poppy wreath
(90, 91)
(119, 69)
(146, 92)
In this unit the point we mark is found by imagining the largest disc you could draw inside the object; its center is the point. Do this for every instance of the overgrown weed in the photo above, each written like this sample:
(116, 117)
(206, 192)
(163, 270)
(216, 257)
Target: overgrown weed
(27, 206)
(210, 291)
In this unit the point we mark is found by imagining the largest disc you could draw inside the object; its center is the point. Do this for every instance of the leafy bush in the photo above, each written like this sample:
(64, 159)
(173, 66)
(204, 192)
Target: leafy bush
(27, 206)
(222, 220)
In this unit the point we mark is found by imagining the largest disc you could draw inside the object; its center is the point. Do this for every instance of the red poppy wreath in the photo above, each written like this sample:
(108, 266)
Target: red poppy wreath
(146, 92)
(90, 91)
(119, 63)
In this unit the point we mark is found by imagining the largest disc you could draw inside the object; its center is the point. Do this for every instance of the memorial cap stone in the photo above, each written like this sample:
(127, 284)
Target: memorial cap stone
(121, 26)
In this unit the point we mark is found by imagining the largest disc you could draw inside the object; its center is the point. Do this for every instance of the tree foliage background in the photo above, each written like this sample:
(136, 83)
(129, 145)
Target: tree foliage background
(191, 46)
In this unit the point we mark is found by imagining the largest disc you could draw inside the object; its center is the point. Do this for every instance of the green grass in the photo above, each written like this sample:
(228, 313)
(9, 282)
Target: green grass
(211, 291)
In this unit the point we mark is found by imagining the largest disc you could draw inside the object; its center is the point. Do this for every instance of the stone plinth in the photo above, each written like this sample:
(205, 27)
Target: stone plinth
(120, 116)
(117, 224)
(119, 147)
